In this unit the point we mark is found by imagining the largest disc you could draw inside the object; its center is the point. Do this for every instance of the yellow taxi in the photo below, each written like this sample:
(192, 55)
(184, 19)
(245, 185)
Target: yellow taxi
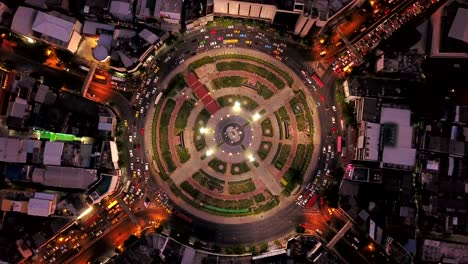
(248, 42)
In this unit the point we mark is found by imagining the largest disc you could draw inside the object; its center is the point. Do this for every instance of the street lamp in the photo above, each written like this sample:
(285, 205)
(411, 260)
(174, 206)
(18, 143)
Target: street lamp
(237, 106)
(256, 117)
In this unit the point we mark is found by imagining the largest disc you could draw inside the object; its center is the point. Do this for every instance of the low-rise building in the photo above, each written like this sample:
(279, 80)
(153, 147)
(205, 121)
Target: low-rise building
(57, 29)
(64, 177)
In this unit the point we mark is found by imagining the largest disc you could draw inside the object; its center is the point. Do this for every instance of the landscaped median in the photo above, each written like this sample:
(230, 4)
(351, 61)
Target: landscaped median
(231, 208)
(198, 138)
(164, 133)
(244, 66)
(212, 59)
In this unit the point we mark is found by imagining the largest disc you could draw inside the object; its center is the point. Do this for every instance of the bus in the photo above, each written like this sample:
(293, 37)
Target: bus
(118, 79)
(127, 186)
(338, 144)
(312, 200)
(317, 80)
(91, 220)
(230, 41)
(112, 204)
(84, 68)
(156, 101)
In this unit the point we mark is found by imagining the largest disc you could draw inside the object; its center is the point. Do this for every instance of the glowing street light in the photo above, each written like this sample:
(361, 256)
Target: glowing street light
(209, 152)
(256, 117)
(237, 106)
(251, 158)
(86, 212)
(203, 130)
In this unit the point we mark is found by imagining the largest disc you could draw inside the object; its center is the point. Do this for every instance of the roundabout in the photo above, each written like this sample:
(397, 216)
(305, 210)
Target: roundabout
(232, 140)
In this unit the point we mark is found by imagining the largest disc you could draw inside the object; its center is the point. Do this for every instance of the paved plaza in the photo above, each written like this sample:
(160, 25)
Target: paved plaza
(236, 158)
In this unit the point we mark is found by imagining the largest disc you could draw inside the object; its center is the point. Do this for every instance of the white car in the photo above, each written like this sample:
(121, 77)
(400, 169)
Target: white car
(212, 43)
(130, 152)
(156, 80)
(130, 139)
(334, 108)
(146, 166)
(333, 120)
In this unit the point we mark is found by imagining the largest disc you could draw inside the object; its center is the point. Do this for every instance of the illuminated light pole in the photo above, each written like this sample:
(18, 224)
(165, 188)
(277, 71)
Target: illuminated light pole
(237, 106)
(256, 117)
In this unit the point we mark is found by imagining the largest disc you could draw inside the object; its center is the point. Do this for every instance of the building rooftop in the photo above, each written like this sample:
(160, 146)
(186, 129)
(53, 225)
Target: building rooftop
(397, 137)
(95, 28)
(65, 177)
(120, 7)
(23, 20)
(367, 86)
(459, 28)
(40, 207)
(149, 36)
(56, 27)
(53, 153)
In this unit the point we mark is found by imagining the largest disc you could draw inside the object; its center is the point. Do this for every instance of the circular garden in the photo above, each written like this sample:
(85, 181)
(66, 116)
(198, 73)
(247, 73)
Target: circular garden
(231, 136)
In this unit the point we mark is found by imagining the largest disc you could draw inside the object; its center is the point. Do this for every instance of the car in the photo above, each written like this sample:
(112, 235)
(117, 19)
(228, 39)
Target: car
(203, 42)
(242, 35)
(212, 43)
(334, 108)
(203, 30)
(323, 53)
(156, 80)
(217, 47)
(267, 46)
(229, 35)
(213, 32)
(98, 233)
(130, 152)
(318, 231)
(230, 26)
(207, 36)
(220, 38)
(308, 186)
(156, 69)
(142, 131)
(236, 31)
(276, 52)
(329, 148)
(278, 57)
(333, 120)
(146, 166)
(324, 183)
(125, 123)
(248, 42)
(131, 165)
(141, 110)
(130, 139)
(138, 192)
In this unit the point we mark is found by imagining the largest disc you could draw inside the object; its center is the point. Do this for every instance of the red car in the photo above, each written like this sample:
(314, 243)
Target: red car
(220, 38)
(142, 131)
(212, 32)
(322, 98)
